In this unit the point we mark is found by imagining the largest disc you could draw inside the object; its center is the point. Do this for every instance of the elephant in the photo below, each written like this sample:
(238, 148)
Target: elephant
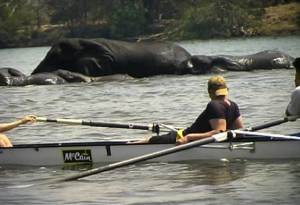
(107, 57)
(13, 77)
(81, 60)
(267, 59)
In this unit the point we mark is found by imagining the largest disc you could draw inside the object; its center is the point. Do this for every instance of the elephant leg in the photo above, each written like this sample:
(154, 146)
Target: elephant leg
(72, 77)
(94, 67)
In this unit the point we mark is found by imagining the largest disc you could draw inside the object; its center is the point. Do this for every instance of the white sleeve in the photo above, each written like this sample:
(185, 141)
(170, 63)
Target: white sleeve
(293, 107)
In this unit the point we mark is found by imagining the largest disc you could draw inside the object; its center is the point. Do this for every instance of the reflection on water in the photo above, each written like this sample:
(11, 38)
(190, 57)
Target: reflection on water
(214, 172)
(175, 100)
(152, 183)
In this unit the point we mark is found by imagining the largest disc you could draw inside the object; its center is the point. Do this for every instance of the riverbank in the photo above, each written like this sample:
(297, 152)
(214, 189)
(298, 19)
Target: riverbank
(280, 20)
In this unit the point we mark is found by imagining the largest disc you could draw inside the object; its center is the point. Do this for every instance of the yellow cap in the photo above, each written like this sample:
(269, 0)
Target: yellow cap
(217, 85)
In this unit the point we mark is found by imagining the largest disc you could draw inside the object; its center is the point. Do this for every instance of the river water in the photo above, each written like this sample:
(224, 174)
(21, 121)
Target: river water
(175, 100)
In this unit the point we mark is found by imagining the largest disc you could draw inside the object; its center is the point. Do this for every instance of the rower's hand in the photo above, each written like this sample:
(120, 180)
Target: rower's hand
(182, 140)
(29, 118)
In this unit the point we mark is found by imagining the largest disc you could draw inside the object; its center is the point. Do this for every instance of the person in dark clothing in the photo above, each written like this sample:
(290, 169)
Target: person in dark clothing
(293, 108)
(221, 114)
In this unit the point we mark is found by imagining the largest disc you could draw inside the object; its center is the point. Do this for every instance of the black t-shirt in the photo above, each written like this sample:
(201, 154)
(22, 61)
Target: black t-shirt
(215, 109)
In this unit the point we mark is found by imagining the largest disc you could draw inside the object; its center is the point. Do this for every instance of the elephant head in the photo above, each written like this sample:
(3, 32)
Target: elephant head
(76, 55)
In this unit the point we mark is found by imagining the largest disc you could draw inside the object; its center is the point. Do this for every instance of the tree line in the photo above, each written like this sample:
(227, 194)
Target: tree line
(41, 22)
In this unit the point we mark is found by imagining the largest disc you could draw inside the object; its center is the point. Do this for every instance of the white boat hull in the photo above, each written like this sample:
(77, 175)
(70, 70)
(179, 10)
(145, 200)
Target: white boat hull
(107, 152)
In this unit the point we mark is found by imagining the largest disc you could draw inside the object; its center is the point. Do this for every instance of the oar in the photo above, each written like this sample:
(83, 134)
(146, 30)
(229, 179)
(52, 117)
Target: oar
(271, 124)
(215, 138)
(260, 134)
(151, 127)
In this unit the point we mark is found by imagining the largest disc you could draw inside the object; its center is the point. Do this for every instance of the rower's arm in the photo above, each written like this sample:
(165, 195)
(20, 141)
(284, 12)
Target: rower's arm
(238, 123)
(197, 136)
(217, 125)
(8, 126)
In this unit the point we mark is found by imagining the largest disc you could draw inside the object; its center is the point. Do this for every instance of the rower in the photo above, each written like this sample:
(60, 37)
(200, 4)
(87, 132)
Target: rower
(221, 114)
(293, 107)
(4, 141)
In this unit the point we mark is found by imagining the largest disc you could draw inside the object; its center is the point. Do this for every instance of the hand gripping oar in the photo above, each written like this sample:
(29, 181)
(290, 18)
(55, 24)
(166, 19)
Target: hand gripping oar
(215, 138)
(151, 127)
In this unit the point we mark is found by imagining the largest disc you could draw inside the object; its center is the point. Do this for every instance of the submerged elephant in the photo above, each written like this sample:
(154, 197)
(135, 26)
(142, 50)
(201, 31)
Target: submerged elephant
(262, 60)
(107, 57)
(13, 77)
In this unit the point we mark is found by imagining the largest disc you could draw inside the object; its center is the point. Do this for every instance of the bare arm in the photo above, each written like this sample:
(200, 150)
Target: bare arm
(238, 123)
(217, 126)
(8, 126)
(196, 136)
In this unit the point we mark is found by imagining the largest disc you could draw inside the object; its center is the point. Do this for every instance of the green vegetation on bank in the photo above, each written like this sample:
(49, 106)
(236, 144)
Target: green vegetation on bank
(282, 19)
(42, 22)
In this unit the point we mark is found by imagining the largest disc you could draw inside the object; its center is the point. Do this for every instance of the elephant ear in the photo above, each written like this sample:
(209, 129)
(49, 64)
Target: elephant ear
(93, 59)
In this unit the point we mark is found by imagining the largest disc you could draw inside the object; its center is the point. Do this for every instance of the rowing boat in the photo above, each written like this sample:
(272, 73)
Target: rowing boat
(70, 153)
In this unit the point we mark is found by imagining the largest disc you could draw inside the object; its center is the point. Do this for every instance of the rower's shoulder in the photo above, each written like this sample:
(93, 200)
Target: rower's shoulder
(296, 92)
(233, 103)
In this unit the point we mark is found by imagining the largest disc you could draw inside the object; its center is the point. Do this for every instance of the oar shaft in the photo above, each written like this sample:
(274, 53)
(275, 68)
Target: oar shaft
(259, 134)
(271, 124)
(117, 125)
(153, 127)
(215, 138)
(267, 125)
